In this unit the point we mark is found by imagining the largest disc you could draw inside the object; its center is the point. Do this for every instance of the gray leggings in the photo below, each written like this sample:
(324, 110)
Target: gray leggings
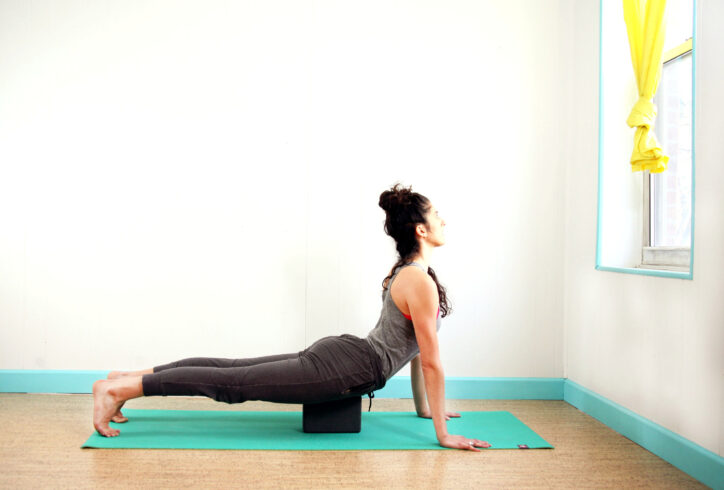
(330, 369)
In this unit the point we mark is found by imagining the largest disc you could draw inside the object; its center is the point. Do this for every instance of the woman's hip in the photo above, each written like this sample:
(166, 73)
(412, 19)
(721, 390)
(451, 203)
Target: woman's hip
(350, 357)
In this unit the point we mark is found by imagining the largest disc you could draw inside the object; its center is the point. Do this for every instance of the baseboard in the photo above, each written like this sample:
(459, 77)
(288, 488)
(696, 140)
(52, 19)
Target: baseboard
(53, 381)
(483, 388)
(689, 457)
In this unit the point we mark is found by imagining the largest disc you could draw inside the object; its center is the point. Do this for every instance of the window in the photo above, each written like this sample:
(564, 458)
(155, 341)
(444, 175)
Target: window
(646, 221)
(668, 196)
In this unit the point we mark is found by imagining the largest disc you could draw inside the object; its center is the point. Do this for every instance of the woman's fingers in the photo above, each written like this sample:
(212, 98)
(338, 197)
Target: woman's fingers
(474, 444)
(451, 414)
(460, 442)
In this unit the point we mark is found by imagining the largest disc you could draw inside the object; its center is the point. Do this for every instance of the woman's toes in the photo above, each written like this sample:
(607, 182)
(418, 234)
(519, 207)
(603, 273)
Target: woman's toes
(111, 432)
(105, 430)
(119, 418)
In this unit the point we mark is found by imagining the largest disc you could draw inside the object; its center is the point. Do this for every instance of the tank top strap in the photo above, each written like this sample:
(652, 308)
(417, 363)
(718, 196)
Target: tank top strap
(419, 266)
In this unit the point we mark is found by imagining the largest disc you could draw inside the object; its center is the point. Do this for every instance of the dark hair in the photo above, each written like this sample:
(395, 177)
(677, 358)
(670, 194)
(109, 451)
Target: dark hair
(405, 210)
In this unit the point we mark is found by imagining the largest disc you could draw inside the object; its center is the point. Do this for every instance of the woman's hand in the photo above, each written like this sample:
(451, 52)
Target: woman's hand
(460, 442)
(428, 415)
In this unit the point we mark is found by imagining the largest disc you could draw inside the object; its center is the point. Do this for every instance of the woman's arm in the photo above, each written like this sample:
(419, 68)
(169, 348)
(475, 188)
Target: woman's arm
(422, 300)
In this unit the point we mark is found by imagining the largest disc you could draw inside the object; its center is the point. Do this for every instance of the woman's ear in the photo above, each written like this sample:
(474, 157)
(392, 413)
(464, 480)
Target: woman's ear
(421, 231)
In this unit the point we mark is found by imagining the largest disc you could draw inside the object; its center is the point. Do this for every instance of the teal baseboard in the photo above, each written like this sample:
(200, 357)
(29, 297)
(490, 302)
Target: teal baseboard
(54, 381)
(689, 457)
(484, 388)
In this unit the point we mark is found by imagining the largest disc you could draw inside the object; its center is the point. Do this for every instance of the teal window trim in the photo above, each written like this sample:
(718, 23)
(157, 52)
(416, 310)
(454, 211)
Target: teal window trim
(647, 272)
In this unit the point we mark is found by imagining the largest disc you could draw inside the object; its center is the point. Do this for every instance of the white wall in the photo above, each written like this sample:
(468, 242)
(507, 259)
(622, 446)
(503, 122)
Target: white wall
(654, 345)
(187, 178)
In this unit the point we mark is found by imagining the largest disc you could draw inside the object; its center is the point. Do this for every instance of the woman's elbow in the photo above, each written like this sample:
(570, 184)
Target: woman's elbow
(432, 366)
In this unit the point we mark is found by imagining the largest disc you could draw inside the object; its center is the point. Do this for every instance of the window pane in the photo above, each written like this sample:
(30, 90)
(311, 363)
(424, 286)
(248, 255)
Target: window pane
(671, 190)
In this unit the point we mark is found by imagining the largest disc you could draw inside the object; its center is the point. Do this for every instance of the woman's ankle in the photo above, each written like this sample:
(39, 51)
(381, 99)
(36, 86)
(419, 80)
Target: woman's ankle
(126, 388)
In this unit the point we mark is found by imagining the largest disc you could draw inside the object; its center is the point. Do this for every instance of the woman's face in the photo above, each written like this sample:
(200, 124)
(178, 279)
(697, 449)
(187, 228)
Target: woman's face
(435, 228)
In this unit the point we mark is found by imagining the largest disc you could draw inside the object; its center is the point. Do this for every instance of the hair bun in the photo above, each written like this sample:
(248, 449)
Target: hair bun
(395, 197)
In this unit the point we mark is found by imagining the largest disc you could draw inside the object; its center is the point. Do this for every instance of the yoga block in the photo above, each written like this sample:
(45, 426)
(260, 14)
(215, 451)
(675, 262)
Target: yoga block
(343, 415)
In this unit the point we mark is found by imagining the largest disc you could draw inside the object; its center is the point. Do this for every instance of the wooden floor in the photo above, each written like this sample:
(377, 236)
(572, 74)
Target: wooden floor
(41, 435)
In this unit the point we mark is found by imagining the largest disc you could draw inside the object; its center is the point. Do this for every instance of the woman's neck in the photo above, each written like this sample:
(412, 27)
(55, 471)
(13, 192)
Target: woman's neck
(424, 255)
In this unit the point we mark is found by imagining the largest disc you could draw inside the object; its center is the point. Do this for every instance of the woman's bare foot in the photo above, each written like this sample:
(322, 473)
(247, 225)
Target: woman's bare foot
(104, 408)
(117, 374)
(108, 398)
(119, 418)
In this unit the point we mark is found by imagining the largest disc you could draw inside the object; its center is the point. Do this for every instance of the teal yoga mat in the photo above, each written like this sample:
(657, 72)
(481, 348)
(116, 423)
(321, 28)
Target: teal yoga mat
(190, 429)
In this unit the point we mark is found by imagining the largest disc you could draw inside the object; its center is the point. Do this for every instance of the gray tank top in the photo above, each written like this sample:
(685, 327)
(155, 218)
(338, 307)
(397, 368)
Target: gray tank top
(393, 338)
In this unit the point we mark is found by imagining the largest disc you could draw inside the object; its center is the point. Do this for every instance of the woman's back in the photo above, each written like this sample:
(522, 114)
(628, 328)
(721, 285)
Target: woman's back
(393, 338)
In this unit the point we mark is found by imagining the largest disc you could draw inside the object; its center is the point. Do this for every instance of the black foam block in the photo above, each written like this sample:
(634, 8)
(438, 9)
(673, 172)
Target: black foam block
(343, 415)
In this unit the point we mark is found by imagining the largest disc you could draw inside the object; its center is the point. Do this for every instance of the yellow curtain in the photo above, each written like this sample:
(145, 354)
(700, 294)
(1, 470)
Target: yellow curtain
(646, 30)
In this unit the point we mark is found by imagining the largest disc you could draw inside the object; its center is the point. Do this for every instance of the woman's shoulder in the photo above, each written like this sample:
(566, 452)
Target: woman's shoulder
(411, 276)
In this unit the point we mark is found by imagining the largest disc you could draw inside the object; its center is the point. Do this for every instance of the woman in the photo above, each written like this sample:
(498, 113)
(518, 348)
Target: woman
(333, 367)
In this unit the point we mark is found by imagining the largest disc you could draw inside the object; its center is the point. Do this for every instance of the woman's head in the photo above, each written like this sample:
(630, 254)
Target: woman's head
(410, 220)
